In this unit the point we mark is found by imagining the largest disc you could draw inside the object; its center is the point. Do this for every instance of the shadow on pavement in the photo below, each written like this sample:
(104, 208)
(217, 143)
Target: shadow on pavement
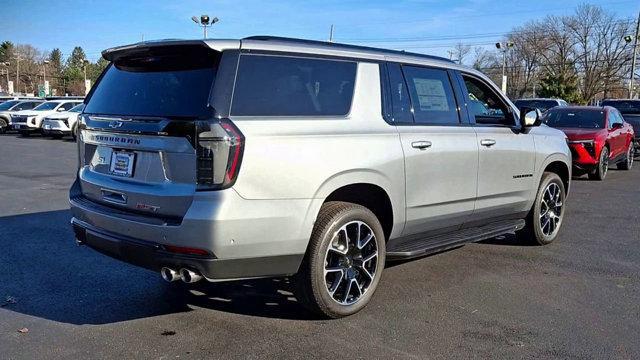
(50, 277)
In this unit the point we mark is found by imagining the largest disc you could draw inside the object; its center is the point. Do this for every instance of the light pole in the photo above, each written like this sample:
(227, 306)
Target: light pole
(628, 39)
(7, 65)
(205, 22)
(504, 48)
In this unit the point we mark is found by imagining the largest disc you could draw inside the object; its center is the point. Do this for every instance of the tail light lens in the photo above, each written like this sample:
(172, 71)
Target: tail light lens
(219, 147)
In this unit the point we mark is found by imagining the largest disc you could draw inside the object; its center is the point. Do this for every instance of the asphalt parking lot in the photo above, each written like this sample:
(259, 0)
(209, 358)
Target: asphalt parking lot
(577, 298)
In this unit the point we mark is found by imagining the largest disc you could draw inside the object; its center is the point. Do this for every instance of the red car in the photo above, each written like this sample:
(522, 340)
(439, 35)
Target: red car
(597, 137)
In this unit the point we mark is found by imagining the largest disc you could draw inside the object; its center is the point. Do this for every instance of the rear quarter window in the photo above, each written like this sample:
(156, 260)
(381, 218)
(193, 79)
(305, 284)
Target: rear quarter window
(293, 86)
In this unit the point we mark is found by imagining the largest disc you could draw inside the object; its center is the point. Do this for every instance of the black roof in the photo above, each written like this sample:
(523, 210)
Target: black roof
(340, 46)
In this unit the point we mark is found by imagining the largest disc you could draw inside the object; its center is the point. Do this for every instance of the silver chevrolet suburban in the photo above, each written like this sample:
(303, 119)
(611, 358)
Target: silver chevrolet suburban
(263, 157)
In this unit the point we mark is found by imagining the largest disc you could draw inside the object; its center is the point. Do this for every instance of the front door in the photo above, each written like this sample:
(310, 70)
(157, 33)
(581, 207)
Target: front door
(506, 154)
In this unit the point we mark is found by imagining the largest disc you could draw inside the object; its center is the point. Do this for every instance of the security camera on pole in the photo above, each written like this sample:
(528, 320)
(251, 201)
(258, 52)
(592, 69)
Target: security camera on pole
(205, 22)
(504, 48)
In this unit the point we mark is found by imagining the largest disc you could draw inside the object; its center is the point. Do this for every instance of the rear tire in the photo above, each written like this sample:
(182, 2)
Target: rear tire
(601, 170)
(56, 136)
(545, 218)
(344, 261)
(3, 126)
(627, 162)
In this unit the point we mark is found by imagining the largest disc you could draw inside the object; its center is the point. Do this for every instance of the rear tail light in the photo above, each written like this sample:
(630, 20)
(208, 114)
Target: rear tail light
(219, 147)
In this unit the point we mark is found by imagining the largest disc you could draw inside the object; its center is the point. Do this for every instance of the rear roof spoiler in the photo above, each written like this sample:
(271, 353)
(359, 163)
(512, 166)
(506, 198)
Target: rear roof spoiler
(113, 54)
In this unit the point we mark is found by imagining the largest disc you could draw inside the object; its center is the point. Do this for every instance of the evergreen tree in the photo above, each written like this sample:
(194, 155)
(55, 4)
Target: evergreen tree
(6, 51)
(560, 86)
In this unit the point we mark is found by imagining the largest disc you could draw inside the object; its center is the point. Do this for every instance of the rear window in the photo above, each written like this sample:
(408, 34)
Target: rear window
(176, 83)
(575, 118)
(293, 86)
(625, 107)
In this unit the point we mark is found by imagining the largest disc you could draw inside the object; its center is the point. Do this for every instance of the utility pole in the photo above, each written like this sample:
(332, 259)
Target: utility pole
(17, 73)
(331, 34)
(634, 56)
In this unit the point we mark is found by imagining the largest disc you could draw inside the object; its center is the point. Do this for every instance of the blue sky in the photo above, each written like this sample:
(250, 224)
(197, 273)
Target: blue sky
(96, 25)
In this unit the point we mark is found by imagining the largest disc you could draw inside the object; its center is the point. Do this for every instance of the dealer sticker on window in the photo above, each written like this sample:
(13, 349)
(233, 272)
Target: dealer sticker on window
(122, 163)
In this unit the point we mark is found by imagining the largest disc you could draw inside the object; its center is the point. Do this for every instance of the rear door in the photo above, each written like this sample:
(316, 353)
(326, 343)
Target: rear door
(506, 154)
(441, 156)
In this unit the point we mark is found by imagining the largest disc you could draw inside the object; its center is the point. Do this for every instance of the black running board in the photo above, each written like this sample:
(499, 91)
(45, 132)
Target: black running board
(414, 246)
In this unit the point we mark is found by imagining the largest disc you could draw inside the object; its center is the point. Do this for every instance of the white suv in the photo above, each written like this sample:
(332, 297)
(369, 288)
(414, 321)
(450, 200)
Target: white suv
(30, 121)
(64, 123)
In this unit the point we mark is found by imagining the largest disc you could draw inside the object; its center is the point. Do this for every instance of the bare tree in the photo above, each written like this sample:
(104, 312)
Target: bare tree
(460, 52)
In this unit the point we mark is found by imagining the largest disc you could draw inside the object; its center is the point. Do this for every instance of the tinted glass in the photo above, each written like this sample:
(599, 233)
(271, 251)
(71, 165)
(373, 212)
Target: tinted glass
(49, 105)
(400, 102)
(176, 84)
(542, 105)
(68, 106)
(625, 107)
(77, 108)
(288, 86)
(574, 118)
(485, 105)
(431, 95)
(8, 104)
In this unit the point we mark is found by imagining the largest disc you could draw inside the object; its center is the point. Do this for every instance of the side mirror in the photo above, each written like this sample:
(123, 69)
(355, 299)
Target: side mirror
(530, 117)
(60, 109)
(616, 125)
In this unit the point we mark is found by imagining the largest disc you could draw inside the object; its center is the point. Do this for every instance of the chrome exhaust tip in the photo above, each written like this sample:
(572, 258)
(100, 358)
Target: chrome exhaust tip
(189, 276)
(169, 275)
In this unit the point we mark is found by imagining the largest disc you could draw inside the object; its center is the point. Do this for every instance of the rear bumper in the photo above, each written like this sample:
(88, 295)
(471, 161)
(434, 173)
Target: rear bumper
(247, 238)
(153, 256)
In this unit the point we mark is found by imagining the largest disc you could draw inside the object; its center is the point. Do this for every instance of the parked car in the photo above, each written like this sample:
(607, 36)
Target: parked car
(30, 121)
(7, 108)
(630, 110)
(64, 123)
(306, 159)
(597, 136)
(541, 104)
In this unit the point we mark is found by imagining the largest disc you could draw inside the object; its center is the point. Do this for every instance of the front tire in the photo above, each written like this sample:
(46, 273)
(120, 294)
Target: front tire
(545, 218)
(627, 162)
(601, 170)
(344, 261)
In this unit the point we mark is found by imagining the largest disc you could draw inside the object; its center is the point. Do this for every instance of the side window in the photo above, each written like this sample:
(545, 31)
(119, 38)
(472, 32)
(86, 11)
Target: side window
(293, 86)
(431, 95)
(485, 105)
(67, 106)
(400, 102)
(615, 117)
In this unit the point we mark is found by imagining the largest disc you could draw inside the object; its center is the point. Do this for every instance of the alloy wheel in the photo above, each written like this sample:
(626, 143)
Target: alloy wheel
(350, 262)
(551, 208)
(630, 157)
(605, 163)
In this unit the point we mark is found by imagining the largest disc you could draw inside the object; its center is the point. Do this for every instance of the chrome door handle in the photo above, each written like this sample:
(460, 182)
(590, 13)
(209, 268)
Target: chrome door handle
(421, 145)
(487, 142)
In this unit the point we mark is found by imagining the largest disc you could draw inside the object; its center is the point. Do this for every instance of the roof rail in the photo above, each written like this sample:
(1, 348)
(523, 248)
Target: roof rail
(344, 46)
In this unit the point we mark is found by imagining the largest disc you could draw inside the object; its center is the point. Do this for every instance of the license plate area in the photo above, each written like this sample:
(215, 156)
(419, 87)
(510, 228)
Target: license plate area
(122, 163)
